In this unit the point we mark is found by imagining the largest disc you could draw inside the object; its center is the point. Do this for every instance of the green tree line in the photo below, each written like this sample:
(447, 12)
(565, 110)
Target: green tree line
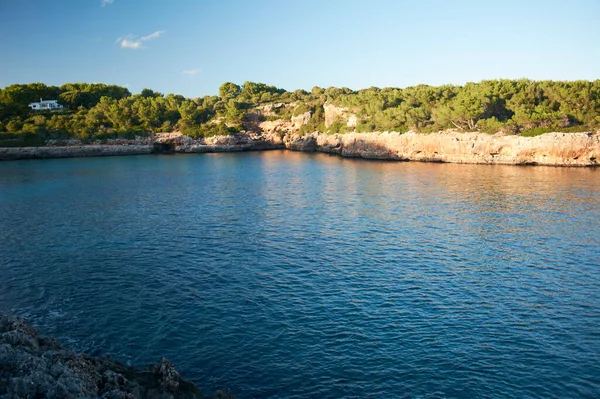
(96, 111)
(512, 106)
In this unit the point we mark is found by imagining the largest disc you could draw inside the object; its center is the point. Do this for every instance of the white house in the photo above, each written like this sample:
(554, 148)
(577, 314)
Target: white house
(44, 105)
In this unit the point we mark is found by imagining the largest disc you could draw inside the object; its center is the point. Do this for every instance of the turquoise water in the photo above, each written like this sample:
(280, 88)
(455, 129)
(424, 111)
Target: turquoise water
(287, 275)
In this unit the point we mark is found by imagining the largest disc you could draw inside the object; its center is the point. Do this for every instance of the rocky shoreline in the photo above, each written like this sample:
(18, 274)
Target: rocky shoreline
(74, 151)
(551, 149)
(554, 149)
(36, 366)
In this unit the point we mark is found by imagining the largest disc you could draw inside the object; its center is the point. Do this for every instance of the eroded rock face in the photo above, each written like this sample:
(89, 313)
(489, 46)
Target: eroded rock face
(74, 151)
(268, 109)
(34, 366)
(302, 119)
(234, 143)
(333, 113)
(306, 143)
(276, 127)
(558, 149)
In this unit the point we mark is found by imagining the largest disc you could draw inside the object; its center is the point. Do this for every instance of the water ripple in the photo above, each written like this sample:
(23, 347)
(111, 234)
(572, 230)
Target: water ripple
(285, 275)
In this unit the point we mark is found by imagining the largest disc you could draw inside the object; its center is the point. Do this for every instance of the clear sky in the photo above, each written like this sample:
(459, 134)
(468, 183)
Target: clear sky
(191, 47)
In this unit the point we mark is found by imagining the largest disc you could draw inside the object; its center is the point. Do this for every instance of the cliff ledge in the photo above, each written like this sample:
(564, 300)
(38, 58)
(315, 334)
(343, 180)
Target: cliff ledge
(555, 149)
(552, 149)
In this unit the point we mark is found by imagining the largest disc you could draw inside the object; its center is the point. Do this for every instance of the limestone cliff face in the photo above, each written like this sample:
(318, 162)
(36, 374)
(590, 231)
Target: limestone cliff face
(333, 113)
(561, 149)
(281, 127)
(269, 109)
(235, 143)
(301, 119)
(74, 151)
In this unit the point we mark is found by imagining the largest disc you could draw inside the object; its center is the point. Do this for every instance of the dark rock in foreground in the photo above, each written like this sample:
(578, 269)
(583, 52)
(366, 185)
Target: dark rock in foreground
(35, 366)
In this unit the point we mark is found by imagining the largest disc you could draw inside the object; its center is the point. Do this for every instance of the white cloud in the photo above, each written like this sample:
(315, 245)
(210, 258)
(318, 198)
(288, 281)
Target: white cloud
(152, 35)
(136, 42)
(131, 44)
(105, 2)
(191, 72)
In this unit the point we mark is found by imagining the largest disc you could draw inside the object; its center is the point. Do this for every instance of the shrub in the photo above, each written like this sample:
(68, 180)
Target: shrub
(211, 129)
(301, 109)
(21, 140)
(491, 125)
(541, 130)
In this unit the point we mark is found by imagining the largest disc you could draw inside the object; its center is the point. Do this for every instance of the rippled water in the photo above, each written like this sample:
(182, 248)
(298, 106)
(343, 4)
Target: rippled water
(287, 275)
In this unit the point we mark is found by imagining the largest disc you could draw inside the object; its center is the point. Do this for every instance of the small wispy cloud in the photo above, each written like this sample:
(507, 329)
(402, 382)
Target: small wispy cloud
(135, 42)
(191, 72)
(106, 2)
(152, 35)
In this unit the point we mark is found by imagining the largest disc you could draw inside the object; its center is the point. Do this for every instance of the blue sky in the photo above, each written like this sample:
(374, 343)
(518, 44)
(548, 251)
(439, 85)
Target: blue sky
(191, 47)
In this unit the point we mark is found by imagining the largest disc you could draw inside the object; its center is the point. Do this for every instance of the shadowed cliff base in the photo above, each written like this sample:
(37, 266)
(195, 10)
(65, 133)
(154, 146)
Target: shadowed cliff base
(36, 366)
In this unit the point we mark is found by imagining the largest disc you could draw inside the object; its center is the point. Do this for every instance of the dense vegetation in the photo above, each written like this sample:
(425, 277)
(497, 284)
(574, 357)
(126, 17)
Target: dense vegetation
(97, 111)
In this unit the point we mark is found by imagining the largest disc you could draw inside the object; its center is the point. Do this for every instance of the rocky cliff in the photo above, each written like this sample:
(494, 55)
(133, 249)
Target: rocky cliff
(333, 114)
(160, 143)
(74, 151)
(558, 149)
(35, 366)
(235, 143)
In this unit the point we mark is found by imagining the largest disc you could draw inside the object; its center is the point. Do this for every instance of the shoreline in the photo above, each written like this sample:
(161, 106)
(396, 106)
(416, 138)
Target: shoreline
(35, 365)
(77, 151)
(549, 149)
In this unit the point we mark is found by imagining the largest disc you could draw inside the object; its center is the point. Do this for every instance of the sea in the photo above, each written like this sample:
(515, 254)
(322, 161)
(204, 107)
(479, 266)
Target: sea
(287, 275)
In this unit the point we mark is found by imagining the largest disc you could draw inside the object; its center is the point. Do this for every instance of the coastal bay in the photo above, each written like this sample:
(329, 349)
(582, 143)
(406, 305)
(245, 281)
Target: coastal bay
(294, 200)
(287, 274)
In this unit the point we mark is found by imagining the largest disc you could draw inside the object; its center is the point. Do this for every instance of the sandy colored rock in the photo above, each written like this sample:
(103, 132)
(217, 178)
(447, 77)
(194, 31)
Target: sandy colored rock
(300, 120)
(333, 114)
(233, 143)
(558, 149)
(74, 151)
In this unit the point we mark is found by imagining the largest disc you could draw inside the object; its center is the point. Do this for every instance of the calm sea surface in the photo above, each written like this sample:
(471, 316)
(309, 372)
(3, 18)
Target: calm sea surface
(287, 275)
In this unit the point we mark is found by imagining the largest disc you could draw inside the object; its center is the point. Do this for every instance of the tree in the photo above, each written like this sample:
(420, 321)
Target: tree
(229, 90)
(147, 93)
(469, 105)
(100, 110)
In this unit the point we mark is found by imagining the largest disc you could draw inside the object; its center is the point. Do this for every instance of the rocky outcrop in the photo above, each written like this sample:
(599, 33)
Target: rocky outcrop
(302, 119)
(161, 143)
(35, 366)
(269, 109)
(234, 143)
(333, 114)
(74, 151)
(295, 142)
(557, 149)
(277, 128)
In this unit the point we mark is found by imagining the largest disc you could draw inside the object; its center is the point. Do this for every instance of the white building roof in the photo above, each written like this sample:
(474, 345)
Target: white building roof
(44, 102)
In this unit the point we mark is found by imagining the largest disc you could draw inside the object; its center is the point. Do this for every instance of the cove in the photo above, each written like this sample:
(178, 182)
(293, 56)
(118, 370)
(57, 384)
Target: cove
(291, 275)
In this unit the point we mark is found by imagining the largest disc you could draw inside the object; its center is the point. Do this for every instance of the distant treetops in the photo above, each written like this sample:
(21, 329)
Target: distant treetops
(100, 111)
